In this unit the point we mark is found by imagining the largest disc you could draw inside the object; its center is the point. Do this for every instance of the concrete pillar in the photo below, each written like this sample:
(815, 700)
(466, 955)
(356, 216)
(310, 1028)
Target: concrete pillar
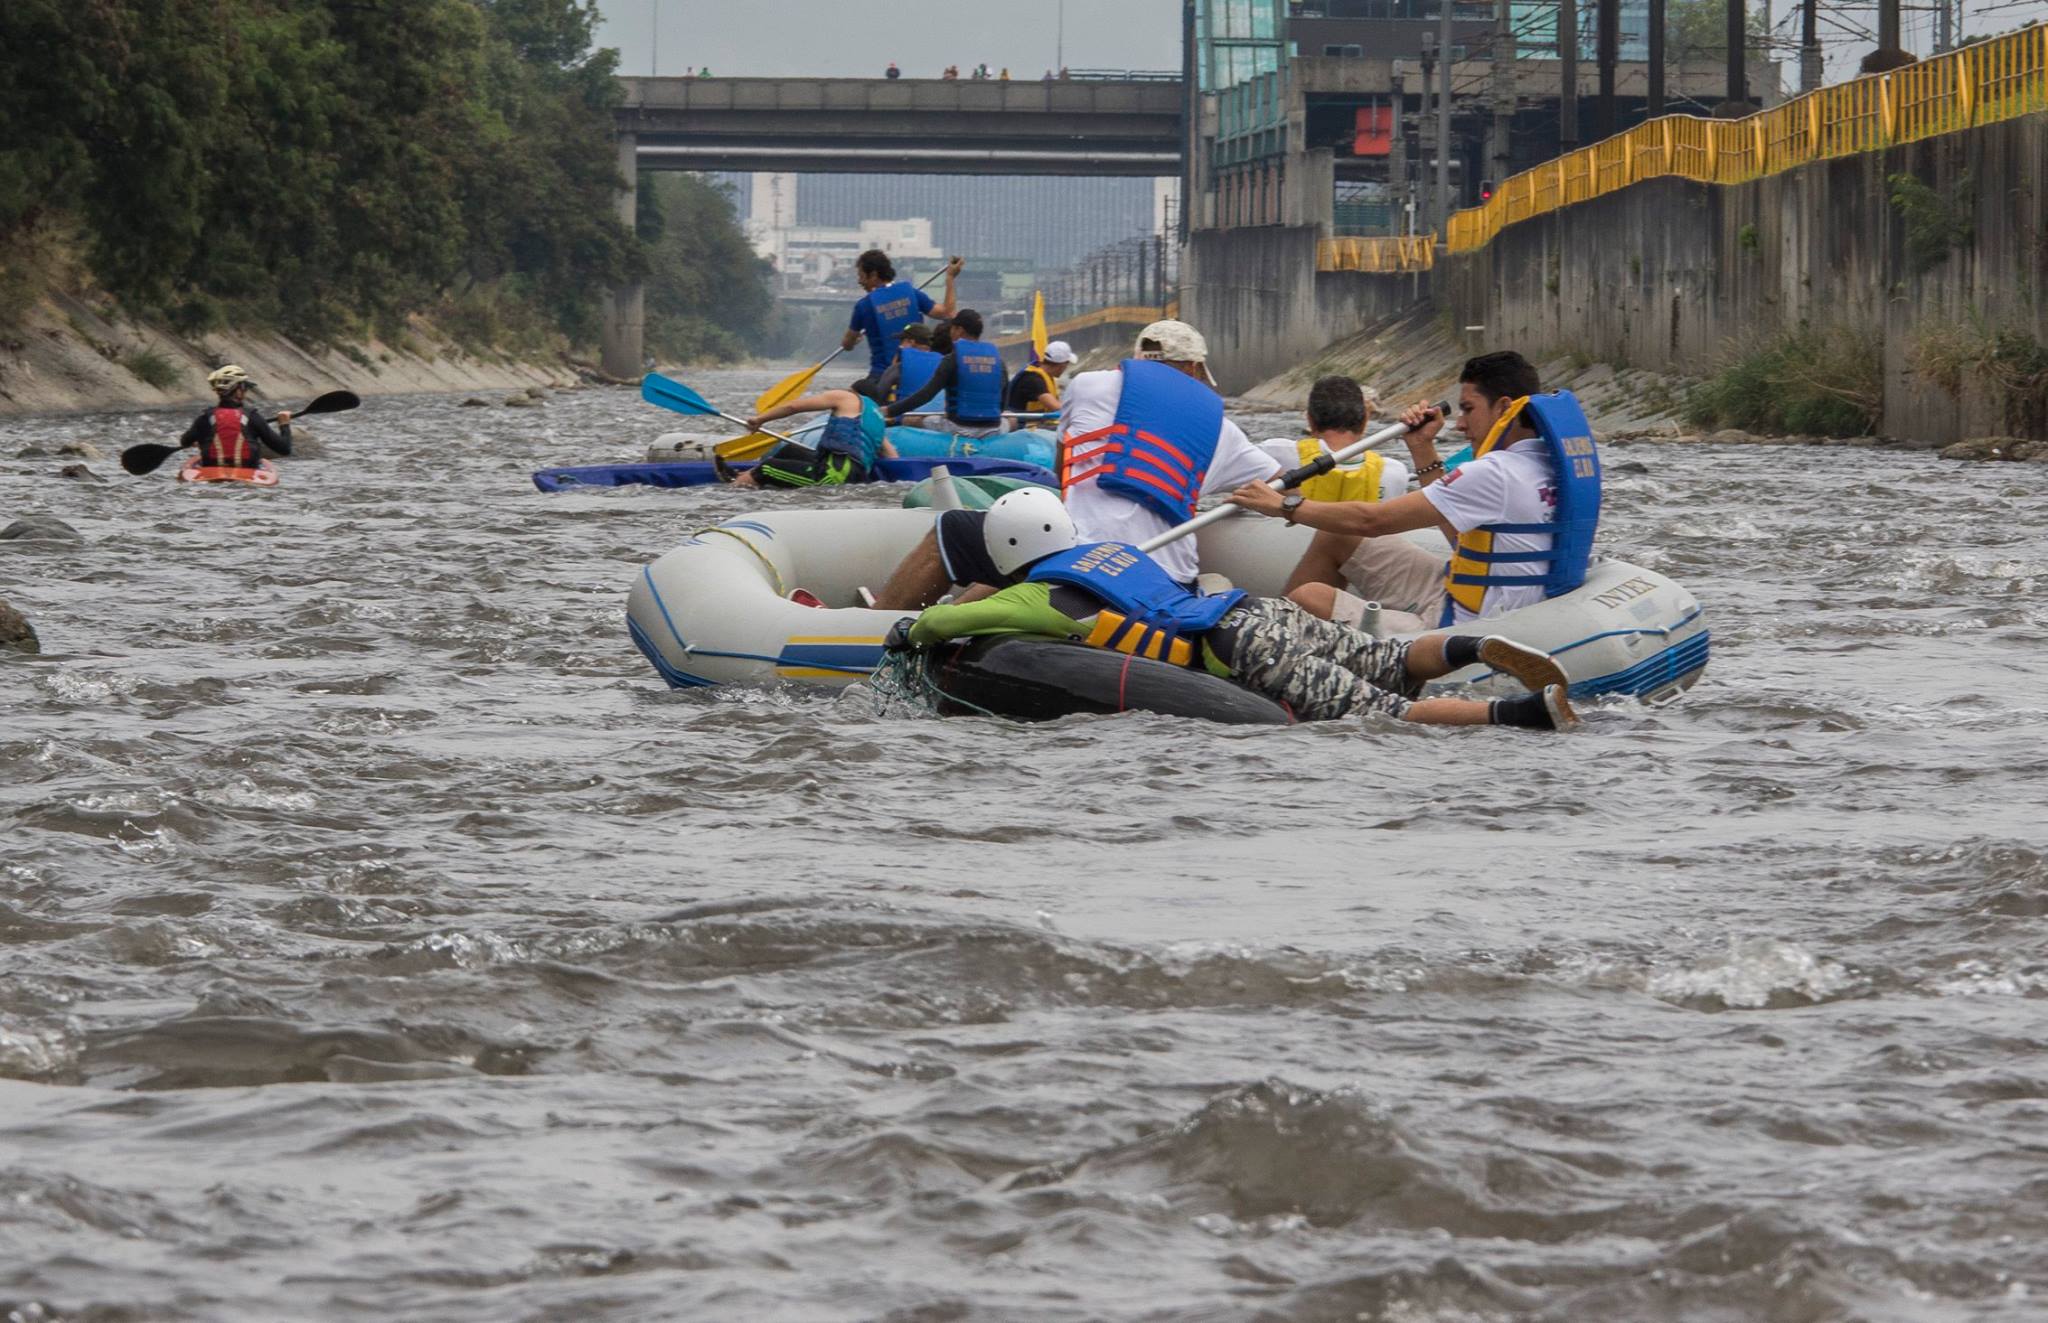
(1568, 67)
(1658, 21)
(623, 333)
(1311, 194)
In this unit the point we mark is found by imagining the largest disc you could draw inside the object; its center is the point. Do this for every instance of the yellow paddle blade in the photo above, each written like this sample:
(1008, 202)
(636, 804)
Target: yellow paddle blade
(751, 446)
(787, 389)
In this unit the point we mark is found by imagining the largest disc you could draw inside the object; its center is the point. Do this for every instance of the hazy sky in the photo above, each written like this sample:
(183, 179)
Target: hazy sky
(858, 38)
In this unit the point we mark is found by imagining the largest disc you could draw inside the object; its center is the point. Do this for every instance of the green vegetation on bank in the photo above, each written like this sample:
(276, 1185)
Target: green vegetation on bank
(329, 168)
(1809, 382)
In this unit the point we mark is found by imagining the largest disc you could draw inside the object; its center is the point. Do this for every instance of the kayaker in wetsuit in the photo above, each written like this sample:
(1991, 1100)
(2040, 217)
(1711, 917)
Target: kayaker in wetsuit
(1112, 595)
(231, 435)
(971, 376)
(1034, 388)
(854, 437)
(1502, 501)
(888, 306)
(1140, 444)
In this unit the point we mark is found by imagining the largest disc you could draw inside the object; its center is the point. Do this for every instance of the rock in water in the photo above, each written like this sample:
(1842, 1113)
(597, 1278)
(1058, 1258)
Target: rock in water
(521, 402)
(535, 393)
(46, 528)
(1997, 447)
(16, 634)
(474, 403)
(81, 450)
(79, 471)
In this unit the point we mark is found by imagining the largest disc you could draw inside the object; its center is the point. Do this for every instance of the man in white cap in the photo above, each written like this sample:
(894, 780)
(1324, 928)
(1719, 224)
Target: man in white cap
(1033, 390)
(1140, 444)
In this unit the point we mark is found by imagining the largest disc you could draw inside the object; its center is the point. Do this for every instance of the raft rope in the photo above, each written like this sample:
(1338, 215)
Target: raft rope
(774, 574)
(905, 679)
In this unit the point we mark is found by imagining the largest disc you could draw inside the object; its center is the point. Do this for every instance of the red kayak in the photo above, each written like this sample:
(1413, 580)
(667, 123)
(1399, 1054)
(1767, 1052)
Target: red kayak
(263, 475)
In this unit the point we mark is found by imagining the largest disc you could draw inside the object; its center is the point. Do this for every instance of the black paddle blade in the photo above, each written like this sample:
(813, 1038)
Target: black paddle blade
(145, 458)
(334, 401)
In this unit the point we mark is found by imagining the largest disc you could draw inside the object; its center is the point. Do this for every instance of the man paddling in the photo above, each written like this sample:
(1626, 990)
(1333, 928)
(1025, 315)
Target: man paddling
(971, 375)
(1140, 444)
(889, 305)
(1112, 595)
(1533, 488)
(853, 440)
(231, 435)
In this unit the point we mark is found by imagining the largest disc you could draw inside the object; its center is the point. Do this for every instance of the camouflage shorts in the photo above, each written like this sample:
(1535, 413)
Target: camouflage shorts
(1320, 670)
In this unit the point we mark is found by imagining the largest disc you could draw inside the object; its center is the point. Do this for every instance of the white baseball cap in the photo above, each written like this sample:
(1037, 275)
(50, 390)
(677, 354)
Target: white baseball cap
(1059, 351)
(1178, 343)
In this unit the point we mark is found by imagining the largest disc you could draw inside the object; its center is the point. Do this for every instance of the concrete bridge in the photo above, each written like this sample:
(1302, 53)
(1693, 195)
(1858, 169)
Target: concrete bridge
(904, 126)
(1104, 127)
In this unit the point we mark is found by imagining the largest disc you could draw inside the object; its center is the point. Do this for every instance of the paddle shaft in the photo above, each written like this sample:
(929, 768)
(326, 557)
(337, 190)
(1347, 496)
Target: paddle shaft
(1316, 467)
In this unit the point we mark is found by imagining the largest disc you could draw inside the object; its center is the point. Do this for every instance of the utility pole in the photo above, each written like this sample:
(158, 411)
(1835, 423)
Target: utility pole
(1606, 49)
(1060, 42)
(1568, 58)
(1503, 90)
(1944, 27)
(1738, 43)
(1443, 120)
(1809, 45)
(1656, 60)
(1190, 117)
(1397, 155)
(654, 33)
(1422, 117)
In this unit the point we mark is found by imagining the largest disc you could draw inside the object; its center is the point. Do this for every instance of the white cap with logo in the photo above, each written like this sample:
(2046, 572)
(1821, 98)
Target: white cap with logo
(1059, 351)
(1178, 343)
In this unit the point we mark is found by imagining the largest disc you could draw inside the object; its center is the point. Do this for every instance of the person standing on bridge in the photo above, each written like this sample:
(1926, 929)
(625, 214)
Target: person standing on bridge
(1033, 389)
(972, 377)
(888, 306)
(892, 73)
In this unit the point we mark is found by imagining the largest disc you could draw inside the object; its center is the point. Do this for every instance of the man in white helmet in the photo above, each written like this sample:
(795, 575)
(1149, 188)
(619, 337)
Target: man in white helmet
(1109, 594)
(231, 435)
(1140, 445)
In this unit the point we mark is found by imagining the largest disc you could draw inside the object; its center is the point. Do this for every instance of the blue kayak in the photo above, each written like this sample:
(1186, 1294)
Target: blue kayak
(699, 473)
(1033, 447)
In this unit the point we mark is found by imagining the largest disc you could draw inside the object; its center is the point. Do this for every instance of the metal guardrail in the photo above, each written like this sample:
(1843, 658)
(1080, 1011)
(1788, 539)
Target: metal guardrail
(1999, 79)
(1124, 315)
(1403, 253)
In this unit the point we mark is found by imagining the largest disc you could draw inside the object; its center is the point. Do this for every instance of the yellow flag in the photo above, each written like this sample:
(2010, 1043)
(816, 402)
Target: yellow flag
(1037, 326)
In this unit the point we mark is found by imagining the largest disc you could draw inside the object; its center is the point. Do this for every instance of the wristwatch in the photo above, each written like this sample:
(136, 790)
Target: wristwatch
(1289, 505)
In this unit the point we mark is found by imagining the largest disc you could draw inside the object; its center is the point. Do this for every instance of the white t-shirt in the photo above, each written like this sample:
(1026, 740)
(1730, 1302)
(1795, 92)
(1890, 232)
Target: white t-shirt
(1514, 485)
(1393, 477)
(1089, 402)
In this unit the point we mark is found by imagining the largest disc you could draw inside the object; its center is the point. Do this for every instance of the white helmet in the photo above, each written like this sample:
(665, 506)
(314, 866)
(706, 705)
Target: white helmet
(1024, 525)
(226, 379)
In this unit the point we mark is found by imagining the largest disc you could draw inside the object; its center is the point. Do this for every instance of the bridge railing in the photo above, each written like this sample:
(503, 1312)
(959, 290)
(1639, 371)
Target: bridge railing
(1398, 253)
(1999, 79)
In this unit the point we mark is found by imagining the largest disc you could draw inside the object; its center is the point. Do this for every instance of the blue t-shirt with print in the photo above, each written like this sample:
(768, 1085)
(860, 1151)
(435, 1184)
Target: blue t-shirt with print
(881, 315)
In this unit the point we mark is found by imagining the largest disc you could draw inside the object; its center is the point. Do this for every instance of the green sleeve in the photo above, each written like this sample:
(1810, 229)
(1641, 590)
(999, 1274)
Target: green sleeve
(1024, 608)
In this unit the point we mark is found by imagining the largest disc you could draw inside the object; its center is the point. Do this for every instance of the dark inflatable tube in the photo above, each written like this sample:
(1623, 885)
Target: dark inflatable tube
(1039, 679)
(699, 473)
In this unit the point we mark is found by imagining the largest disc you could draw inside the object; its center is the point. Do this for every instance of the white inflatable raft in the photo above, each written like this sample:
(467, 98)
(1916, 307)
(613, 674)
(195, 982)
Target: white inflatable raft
(715, 610)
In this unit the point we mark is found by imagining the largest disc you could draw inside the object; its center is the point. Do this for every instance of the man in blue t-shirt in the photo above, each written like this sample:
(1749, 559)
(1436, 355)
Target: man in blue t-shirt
(887, 307)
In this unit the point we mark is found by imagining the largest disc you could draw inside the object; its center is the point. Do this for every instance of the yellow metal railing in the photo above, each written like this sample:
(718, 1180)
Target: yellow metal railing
(2003, 78)
(1128, 315)
(1417, 253)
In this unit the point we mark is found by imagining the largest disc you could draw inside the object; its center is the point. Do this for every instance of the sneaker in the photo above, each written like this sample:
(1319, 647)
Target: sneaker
(1558, 703)
(804, 597)
(1532, 666)
(725, 471)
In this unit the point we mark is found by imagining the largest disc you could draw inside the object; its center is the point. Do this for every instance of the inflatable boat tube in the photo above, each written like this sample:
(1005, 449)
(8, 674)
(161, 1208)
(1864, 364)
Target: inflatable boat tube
(975, 492)
(699, 473)
(1040, 679)
(263, 475)
(715, 610)
(1033, 447)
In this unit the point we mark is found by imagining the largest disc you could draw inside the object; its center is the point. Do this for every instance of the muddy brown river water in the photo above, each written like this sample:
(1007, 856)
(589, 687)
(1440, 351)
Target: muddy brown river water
(380, 940)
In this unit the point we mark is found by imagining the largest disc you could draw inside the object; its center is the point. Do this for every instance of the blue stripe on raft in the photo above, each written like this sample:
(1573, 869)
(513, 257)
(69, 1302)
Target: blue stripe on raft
(851, 657)
(698, 473)
(1652, 673)
(752, 526)
(676, 679)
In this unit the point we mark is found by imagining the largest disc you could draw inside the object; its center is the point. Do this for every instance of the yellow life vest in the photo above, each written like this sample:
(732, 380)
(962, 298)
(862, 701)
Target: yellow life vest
(1354, 484)
(1046, 377)
(1466, 556)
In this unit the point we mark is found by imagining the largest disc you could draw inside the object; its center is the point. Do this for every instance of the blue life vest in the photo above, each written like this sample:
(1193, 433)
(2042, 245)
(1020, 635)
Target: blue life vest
(976, 395)
(1557, 419)
(918, 366)
(860, 437)
(894, 307)
(1157, 449)
(1145, 613)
